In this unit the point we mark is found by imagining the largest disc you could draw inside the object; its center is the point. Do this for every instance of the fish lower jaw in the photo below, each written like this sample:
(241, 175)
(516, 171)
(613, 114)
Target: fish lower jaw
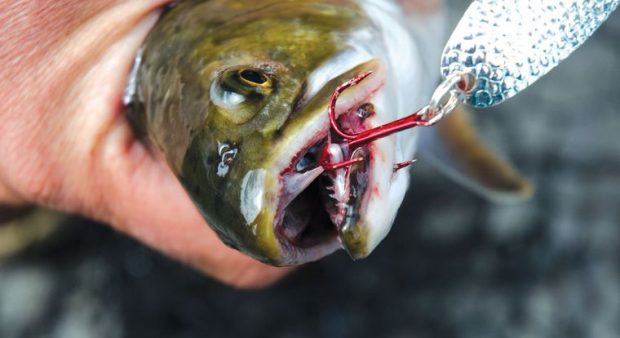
(310, 225)
(304, 227)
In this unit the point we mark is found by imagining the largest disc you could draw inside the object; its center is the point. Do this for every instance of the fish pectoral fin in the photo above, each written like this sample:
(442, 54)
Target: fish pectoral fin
(456, 150)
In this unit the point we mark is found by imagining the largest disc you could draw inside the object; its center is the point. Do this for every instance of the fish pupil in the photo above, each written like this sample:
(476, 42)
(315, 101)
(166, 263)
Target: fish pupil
(253, 76)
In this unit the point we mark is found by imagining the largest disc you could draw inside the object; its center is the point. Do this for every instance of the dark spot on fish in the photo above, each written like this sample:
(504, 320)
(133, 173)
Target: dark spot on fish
(310, 159)
(365, 111)
(171, 5)
(210, 159)
(278, 134)
(228, 158)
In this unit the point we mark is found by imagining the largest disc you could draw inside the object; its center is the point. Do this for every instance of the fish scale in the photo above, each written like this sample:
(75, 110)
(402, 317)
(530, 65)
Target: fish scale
(508, 45)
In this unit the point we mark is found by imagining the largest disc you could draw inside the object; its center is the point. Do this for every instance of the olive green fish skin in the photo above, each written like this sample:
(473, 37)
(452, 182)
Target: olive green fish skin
(193, 45)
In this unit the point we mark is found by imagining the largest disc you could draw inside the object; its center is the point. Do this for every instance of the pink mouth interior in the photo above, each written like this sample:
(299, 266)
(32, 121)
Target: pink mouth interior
(306, 221)
(309, 220)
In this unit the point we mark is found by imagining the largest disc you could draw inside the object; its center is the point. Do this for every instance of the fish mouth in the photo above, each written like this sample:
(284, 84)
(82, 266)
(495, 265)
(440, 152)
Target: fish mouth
(318, 210)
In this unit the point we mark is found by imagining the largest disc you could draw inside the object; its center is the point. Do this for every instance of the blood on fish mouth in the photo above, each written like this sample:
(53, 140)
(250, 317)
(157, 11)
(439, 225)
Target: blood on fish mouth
(314, 203)
(333, 173)
(314, 215)
(348, 140)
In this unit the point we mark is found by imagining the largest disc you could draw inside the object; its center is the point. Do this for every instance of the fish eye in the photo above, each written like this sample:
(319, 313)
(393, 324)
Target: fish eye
(252, 83)
(240, 92)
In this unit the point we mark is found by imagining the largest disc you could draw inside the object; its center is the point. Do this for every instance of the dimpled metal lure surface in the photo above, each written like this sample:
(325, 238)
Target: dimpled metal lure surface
(508, 45)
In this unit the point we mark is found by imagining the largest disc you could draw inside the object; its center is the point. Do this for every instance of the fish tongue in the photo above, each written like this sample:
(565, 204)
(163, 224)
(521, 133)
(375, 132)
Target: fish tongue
(294, 184)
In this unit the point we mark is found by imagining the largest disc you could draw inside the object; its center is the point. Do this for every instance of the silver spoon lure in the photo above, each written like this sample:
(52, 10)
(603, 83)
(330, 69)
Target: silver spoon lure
(504, 46)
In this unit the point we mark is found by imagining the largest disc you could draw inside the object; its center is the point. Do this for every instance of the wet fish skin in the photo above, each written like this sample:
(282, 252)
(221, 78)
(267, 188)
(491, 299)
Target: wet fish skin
(189, 47)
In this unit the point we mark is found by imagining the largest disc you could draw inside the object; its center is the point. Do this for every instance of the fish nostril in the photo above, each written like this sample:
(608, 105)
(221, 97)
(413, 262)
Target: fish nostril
(228, 158)
(227, 154)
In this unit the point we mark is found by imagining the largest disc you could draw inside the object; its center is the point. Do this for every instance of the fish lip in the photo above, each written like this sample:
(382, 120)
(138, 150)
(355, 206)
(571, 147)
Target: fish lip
(292, 251)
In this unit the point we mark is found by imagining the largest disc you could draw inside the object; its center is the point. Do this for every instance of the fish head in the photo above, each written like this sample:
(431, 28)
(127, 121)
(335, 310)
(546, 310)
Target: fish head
(244, 125)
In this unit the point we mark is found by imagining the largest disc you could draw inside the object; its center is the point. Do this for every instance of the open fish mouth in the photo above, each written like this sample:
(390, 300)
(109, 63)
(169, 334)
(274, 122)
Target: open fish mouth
(317, 206)
(304, 217)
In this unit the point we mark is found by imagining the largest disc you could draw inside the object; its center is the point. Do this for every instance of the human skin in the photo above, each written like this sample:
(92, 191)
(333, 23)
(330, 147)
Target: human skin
(65, 143)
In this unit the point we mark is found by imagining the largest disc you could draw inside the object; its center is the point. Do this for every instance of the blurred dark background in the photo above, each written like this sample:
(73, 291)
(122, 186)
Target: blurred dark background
(453, 265)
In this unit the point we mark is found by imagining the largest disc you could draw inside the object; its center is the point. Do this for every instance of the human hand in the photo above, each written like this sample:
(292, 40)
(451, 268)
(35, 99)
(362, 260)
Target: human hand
(65, 141)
